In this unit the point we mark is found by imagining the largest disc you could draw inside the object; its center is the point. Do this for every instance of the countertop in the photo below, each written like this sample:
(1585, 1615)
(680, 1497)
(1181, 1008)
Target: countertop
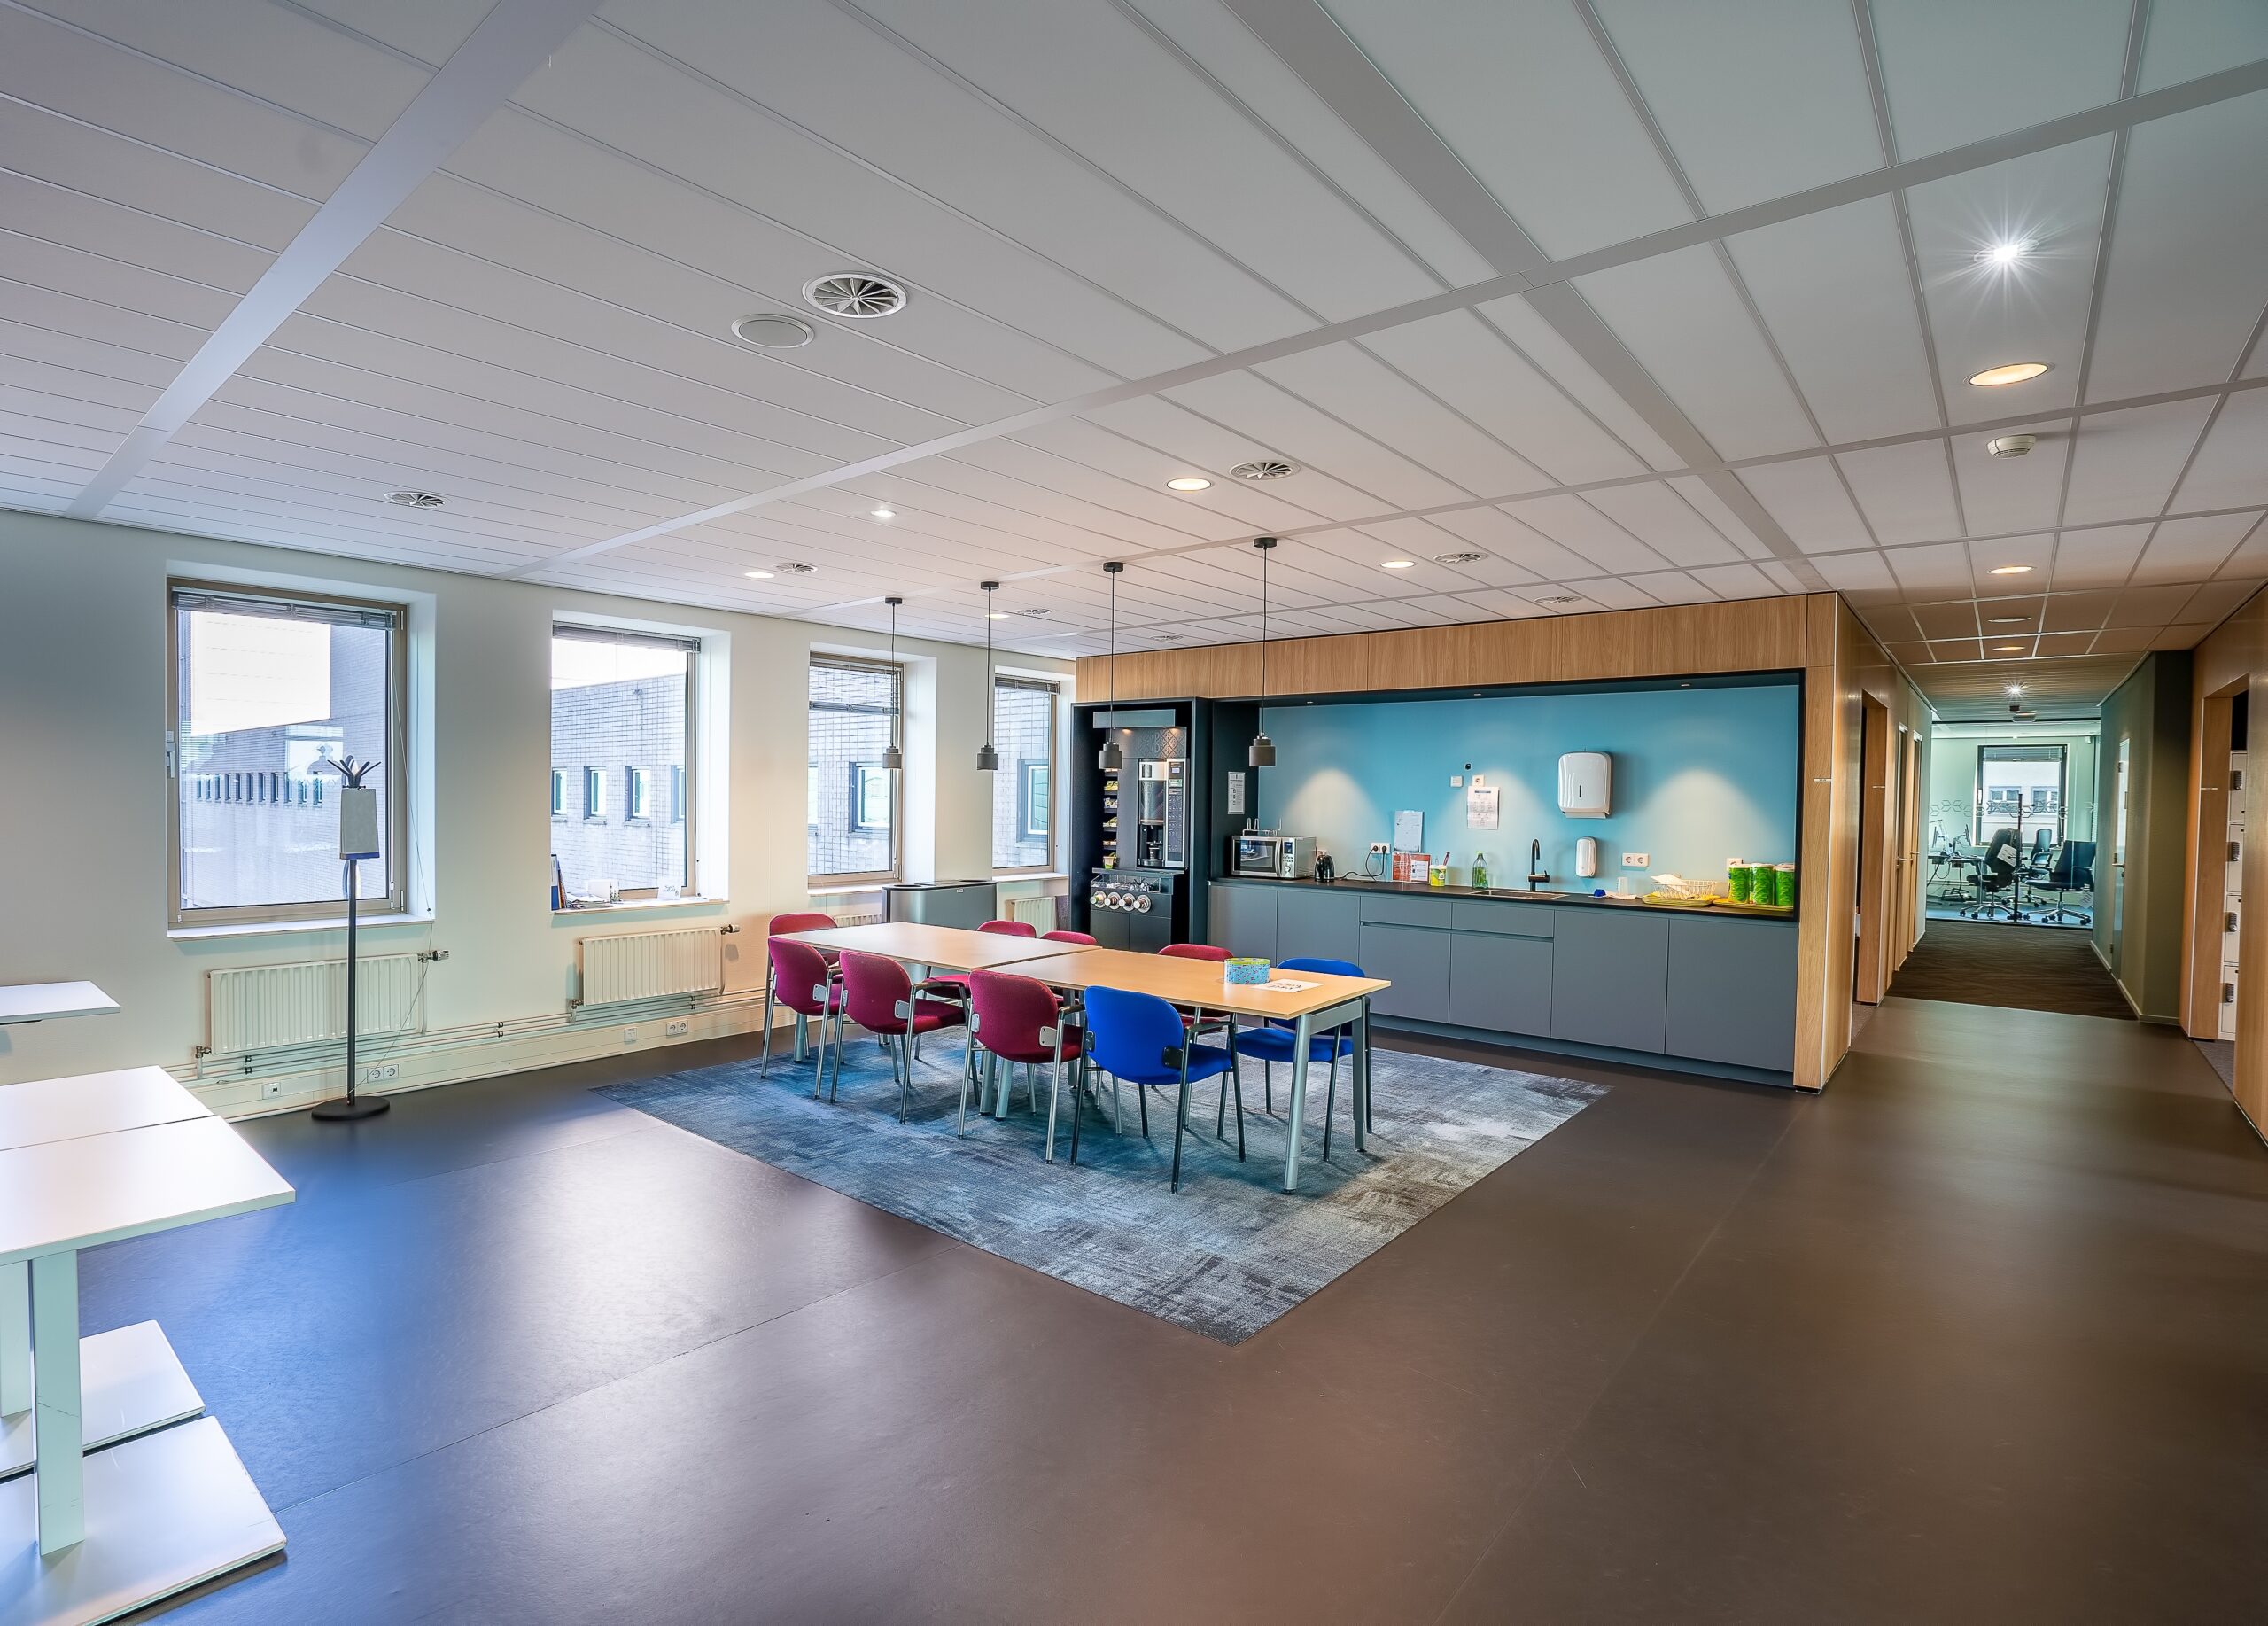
(1519, 894)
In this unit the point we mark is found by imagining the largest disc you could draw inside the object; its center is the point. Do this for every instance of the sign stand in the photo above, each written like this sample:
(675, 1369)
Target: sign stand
(358, 839)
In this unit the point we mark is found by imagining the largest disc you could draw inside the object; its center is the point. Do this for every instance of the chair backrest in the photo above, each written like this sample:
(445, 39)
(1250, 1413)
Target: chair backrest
(1068, 937)
(2000, 854)
(1326, 968)
(808, 920)
(873, 988)
(798, 970)
(1010, 929)
(1130, 1033)
(1193, 951)
(2074, 866)
(2041, 840)
(1011, 1013)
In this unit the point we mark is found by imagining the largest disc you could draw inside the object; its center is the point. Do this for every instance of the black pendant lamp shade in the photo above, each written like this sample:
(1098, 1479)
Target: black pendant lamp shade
(1262, 754)
(987, 760)
(1112, 760)
(893, 759)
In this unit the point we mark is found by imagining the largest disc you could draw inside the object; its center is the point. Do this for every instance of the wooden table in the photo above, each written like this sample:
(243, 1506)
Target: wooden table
(146, 1519)
(1324, 1003)
(41, 1001)
(131, 1381)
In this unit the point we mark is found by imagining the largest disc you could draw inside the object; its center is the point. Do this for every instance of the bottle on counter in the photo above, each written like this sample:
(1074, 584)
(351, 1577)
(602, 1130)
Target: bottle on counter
(1480, 872)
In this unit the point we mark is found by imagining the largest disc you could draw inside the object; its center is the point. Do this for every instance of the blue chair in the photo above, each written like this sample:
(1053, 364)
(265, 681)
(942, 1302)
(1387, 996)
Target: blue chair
(1140, 1038)
(1278, 1041)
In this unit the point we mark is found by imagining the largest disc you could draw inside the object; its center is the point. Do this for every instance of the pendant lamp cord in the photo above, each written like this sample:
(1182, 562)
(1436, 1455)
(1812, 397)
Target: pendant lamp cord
(1263, 640)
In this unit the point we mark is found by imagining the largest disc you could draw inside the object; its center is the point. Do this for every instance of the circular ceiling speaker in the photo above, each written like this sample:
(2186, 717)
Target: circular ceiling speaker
(415, 498)
(1265, 469)
(2011, 445)
(769, 330)
(860, 295)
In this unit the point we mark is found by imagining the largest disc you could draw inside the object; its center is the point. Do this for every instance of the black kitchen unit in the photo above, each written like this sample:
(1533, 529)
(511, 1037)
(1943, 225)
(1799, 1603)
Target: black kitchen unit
(1144, 837)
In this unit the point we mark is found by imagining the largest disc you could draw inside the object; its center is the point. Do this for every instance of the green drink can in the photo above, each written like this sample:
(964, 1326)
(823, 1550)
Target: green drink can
(1738, 878)
(1783, 881)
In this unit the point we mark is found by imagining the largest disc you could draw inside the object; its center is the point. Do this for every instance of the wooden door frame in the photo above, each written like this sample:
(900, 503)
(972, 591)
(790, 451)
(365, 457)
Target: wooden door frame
(2209, 822)
(1905, 882)
(1876, 872)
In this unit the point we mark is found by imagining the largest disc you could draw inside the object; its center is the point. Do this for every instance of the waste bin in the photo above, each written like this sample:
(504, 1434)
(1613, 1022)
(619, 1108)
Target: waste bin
(967, 904)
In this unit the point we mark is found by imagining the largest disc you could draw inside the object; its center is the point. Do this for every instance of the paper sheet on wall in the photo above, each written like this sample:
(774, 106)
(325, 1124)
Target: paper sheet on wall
(1409, 831)
(1480, 808)
(1236, 794)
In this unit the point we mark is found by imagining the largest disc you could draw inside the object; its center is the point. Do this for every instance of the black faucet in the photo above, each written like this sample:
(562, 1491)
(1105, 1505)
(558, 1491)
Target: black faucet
(1536, 874)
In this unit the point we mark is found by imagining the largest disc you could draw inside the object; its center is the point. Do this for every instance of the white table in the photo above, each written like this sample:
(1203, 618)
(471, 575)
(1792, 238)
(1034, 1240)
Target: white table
(42, 1001)
(83, 1539)
(132, 1382)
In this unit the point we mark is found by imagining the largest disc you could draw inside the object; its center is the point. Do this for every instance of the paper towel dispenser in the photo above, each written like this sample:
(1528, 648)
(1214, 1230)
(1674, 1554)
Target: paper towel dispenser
(1586, 780)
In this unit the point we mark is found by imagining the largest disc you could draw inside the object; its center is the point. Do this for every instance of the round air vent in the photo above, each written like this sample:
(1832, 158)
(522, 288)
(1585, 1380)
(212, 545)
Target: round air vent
(859, 294)
(1034, 610)
(1167, 637)
(415, 498)
(1265, 469)
(796, 570)
(1562, 598)
(1458, 558)
(770, 331)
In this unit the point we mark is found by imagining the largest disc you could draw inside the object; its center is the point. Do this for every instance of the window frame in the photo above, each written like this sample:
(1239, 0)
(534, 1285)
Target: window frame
(394, 765)
(688, 773)
(594, 795)
(896, 672)
(1983, 824)
(1024, 765)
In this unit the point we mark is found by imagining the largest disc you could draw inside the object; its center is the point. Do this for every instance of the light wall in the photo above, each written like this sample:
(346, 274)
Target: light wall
(2138, 910)
(1700, 775)
(83, 825)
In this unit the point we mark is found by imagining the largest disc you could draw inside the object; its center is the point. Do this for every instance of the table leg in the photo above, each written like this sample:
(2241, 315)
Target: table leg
(1302, 1038)
(803, 1036)
(764, 1070)
(15, 1338)
(55, 1372)
(1362, 1072)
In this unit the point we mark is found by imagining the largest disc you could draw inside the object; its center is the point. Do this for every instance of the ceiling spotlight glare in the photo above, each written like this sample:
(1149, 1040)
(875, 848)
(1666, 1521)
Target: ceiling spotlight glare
(2007, 253)
(2010, 372)
(883, 513)
(2016, 688)
(2011, 569)
(757, 575)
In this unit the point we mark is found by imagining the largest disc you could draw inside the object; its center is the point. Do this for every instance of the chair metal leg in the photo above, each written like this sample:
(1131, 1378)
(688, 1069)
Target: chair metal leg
(1180, 1121)
(1331, 1099)
(819, 1066)
(803, 1036)
(1078, 1091)
(834, 1090)
(1268, 1086)
(764, 1070)
(961, 1128)
(901, 1064)
(1142, 1100)
(1236, 1083)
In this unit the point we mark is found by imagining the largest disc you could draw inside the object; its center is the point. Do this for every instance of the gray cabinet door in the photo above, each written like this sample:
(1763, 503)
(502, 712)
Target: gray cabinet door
(1318, 924)
(1402, 910)
(1503, 983)
(1732, 992)
(1242, 919)
(1610, 977)
(1417, 961)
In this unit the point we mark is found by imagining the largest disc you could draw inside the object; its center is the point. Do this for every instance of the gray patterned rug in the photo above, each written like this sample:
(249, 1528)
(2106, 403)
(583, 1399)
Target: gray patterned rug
(1225, 1257)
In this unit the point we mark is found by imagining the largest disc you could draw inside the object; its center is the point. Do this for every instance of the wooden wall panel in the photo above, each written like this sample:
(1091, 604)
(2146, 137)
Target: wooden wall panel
(2235, 658)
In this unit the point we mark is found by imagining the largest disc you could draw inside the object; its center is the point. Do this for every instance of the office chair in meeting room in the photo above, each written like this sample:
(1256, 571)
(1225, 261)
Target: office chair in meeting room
(2073, 871)
(1996, 874)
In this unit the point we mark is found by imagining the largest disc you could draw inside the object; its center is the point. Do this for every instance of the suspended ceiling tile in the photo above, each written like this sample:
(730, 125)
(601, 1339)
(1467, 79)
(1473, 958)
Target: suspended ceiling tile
(1679, 316)
(1862, 576)
(1948, 69)
(1513, 540)
(1987, 316)
(1939, 569)
(2216, 601)
(1664, 522)
(1575, 524)
(1942, 649)
(1712, 507)
(1948, 620)
(2077, 611)
(2124, 640)
(2123, 464)
(2188, 271)
(2012, 493)
(1510, 606)
(1502, 84)
(1358, 389)
(2065, 643)
(1736, 581)
(1835, 296)
(2181, 637)
(1807, 498)
(1276, 417)
(2149, 606)
(430, 30)
(2191, 550)
(2188, 39)
(1153, 421)
(1607, 592)
(1893, 621)
(2102, 556)
(2250, 558)
(1544, 345)
(1910, 654)
(1906, 491)
(2232, 466)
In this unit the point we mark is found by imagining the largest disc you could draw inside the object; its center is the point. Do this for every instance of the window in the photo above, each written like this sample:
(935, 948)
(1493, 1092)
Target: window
(1023, 728)
(626, 698)
(851, 809)
(264, 688)
(2019, 788)
(558, 794)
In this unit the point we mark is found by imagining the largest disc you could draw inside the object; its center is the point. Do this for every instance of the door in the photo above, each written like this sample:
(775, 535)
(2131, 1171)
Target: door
(1875, 761)
(1908, 879)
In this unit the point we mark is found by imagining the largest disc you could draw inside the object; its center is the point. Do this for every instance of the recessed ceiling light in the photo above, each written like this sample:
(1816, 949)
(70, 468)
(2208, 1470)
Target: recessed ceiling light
(996, 615)
(757, 575)
(2009, 620)
(883, 513)
(1266, 469)
(1399, 565)
(1188, 482)
(2006, 251)
(2010, 372)
(2007, 649)
(2010, 570)
(769, 330)
(415, 498)
(860, 295)
(2016, 688)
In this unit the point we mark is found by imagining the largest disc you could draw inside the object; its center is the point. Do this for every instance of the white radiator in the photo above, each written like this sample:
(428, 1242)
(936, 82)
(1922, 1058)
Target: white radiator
(867, 917)
(651, 965)
(267, 1007)
(1037, 913)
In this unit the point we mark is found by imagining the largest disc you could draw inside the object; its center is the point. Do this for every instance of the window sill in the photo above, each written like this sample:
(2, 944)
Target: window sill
(851, 886)
(269, 928)
(638, 906)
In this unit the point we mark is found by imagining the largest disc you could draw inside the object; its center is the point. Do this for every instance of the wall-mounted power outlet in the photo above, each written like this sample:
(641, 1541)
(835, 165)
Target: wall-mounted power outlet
(629, 1036)
(271, 1089)
(1634, 860)
(676, 1030)
(1379, 848)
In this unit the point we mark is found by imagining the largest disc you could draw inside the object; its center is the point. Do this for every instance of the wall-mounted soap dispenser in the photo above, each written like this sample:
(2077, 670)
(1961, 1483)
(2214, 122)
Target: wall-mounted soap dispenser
(1587, 857)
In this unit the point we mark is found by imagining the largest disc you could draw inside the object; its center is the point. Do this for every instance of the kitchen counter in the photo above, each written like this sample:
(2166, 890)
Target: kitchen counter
(1519, 894)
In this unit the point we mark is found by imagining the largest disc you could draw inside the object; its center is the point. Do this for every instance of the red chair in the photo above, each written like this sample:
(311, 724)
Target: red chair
(1067, 937)
(1195, 951)
(802, 980)
(1018, 1020)
(954, 985)
(1010, 929)
(878, 995)
(1211, 1025)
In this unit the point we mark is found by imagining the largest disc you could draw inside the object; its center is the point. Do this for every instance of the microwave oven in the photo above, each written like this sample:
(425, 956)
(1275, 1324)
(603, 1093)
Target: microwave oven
(1279, 857)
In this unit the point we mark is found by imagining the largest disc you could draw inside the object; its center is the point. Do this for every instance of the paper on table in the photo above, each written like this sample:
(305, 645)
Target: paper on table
(1285, 984)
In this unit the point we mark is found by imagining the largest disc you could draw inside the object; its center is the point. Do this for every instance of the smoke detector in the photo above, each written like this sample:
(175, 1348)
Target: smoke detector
(1265, 469)
(858, 295)
(769, 330)
(2011, 445)
(415, 498)
(795, 569)
(1458, 558)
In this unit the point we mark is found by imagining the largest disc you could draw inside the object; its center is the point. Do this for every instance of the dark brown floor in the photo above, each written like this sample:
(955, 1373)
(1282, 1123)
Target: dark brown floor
(1956, 1341)
(1980, 962)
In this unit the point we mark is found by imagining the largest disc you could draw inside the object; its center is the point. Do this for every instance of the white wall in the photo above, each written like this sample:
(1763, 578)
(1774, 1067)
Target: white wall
(83, 825)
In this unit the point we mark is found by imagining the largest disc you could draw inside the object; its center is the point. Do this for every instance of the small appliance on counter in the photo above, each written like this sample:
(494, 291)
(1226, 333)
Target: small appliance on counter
(1267, 854)
(1325, 869)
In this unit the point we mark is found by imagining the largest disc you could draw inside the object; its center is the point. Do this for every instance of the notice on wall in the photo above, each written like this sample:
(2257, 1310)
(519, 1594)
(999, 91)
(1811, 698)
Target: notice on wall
(1236, 794)
(1480, 808)
(1409, 830)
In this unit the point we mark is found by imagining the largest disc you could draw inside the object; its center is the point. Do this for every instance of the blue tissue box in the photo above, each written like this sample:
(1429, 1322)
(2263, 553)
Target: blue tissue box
(1248, 970)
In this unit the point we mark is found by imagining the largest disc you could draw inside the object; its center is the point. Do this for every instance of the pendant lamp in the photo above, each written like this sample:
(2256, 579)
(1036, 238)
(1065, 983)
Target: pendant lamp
(893, 759)
(987, 760)
(1112, 760)
(1262, 754)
